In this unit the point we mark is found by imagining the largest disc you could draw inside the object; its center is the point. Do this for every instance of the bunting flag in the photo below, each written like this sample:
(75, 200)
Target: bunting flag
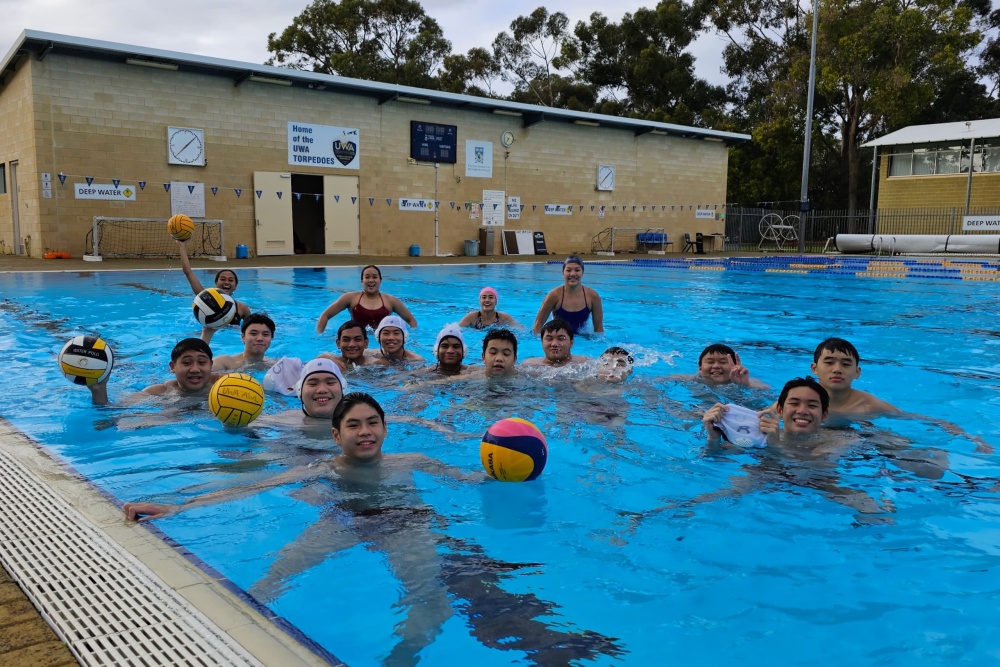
(62, 178)
(336, 198)
(522, 207)
(354, 200)
(142, 185)
(592, 208)
(298, 196)
(569, 209)
(116, 181)
(495, 206)
(603, 208)
(534, 206)
(388, 201)
(317, 197)
(279, 193)
(672, 206)
(633, 208)
(436, 204)
(190, 189)
(166, 187)
(663, 207)
(643, 208)
(371, 201)
(90, 179)
(238, 192)
(259, 193)
(716, 206)
(614, 208)
(452, 204)
(215, 190)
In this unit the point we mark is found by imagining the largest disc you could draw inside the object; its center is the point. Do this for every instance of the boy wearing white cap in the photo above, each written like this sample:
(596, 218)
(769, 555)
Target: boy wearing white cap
(391, 335)
(320, 386)
(449, 348)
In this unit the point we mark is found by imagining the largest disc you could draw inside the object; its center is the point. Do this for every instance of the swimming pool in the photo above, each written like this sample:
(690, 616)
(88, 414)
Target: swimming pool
(558, 572)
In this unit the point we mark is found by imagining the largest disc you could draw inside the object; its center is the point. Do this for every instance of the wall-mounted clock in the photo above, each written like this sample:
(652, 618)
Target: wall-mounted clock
(186, 145)
(507, 138)
(606, 177)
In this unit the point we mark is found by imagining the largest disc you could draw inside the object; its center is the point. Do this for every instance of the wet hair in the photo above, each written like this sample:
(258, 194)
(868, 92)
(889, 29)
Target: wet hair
(836, 345)
(188, 345)
(500, 334)
(807, 381)
(619, 352)
(351, 324)
(557, 324)
(236, 278)
(352, 399)
(573, 259)
(257, 318)
(371, 266)
(717, 348)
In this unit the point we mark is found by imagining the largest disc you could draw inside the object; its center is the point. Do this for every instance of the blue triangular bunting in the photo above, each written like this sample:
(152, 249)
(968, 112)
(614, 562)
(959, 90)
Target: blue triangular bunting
(614, 208)
(317, 196)
(388, 201)
(90, 179)
(142, 185)
(591, 208)
(452, 204)
(166, 187)
(62, 178)
(279, 193)
(190, 189)
(238, 192)
(215, 190)
(298, 196)
(522, 207)
(116, 181)
(259, 193)
(336, 198)
(495, 206)
(354, 200)
(534, 206)
(371, 201)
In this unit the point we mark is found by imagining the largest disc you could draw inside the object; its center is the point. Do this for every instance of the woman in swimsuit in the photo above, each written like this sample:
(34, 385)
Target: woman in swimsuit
(487, 315)
(368, 306)
(225, 281)
(572, 302)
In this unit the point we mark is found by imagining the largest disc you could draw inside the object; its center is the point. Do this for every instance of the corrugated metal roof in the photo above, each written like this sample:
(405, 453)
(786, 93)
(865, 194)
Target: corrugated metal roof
(41, 43)
(928, 134)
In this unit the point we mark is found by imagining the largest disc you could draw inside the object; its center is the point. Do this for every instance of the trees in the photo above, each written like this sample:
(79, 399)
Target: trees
(392, 41)
(529, 56)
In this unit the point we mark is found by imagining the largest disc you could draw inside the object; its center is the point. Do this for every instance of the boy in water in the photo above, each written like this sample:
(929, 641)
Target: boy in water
(392, 335)
(718, 365)
(257, 335)
(500, 353)
(352, 341)
(449, 349)
(557, 345)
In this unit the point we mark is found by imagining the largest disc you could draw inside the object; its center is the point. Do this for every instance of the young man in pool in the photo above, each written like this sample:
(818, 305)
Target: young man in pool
(615, 365)
(352, 341)
(449, 349)
(557, 345)
(500, 353)
(225, 281)
(719, 365)
(191, 364)
(257, 334)
(392, 335)
(801, 409)
(320, 388)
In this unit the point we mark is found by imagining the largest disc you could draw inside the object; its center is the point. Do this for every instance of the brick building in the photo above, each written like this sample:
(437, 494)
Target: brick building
(296, 161)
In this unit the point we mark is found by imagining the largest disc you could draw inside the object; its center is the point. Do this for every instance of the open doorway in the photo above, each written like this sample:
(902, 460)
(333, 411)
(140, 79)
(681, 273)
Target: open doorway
(308, 215)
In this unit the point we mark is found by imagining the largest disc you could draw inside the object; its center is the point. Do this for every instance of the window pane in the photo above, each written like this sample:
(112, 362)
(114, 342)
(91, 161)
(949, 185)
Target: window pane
(899, 165)
(991, 161)
(948, 162)
(3, 178)
(923, 163)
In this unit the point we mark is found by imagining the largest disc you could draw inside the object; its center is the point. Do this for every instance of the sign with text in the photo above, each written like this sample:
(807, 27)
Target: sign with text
(106, 191)
(558, 209)
(704, 214)
(478, 159)
(187, 199)
(416, 205)
(493, 208)
(971, 223)
(324, 146)
(513, 208)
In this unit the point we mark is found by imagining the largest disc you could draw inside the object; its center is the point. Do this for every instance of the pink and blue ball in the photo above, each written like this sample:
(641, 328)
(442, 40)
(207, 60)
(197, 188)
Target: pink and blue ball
(513, 450)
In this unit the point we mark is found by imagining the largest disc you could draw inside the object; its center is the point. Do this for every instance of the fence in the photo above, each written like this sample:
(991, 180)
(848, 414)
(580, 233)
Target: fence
(747, 227)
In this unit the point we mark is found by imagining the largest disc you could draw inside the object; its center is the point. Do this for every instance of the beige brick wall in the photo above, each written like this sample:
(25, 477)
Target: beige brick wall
(17, 143)
(108, 120)
(947, 191)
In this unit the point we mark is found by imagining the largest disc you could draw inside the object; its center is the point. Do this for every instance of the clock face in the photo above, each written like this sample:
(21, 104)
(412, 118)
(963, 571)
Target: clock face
(507, 138)
(606, 177)
(185, 146)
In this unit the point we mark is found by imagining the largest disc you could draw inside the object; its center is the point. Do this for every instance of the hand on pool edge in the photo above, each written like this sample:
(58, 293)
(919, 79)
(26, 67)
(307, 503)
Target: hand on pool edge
(148, 511)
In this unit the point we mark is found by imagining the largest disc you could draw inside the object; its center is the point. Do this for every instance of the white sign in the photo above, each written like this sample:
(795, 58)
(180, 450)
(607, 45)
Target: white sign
(473, 207)
(493, 208)
(513, 208)
(704, 213)
(976, 222)
(106, 191)
(46, 177)
(558, 209)
(187, 199)
(324, 146)
(416, 205)
(478, 159)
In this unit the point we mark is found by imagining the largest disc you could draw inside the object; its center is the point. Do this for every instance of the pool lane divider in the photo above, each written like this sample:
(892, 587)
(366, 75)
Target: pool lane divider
(859, 267)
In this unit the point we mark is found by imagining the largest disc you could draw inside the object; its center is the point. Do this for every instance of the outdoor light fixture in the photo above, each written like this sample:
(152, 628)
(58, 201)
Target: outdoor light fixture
(267, 79)
(659, 132)
(712, 139)
(588, 123)
(505, 112)
(412, 100)
(139, 62)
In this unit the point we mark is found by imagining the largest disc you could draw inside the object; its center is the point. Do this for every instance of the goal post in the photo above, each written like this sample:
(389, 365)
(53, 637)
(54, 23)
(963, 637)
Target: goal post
(614, 240)
(147, 237)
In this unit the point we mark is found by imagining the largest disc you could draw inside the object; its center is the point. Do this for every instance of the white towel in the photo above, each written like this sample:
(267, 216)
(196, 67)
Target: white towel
(283, 376)
(741, 426)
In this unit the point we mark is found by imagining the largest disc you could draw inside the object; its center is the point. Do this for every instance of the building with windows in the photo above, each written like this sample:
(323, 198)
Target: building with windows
(945, 165)
(297, 162)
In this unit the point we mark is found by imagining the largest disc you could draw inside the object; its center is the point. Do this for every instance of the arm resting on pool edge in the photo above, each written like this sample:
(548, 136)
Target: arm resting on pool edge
(149, 511)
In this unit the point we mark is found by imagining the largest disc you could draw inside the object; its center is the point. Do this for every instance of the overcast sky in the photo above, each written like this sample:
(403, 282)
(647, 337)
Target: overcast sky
(238, 30)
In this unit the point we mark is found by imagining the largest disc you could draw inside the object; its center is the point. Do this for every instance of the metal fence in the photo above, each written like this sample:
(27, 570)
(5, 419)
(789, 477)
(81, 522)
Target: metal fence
(768, 229)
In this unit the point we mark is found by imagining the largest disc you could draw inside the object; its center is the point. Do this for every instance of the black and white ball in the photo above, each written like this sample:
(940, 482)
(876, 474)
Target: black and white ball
(213, 309)
(86, 360)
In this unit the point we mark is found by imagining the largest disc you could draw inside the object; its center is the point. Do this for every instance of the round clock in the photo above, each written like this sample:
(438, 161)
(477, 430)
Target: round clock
(507, 138)
(185, 146)
(606, 177)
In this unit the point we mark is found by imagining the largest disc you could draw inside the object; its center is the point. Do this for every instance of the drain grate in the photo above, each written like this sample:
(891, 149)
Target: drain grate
(104, 603)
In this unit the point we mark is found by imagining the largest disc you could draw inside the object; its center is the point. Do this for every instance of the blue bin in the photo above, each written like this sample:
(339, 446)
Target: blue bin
(414, 251)
(242, 252)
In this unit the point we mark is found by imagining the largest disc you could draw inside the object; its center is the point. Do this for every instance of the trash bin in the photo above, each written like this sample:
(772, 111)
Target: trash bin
(471, 248)
(414, 251)
(699, 244)
(242, 252)
(487, 241)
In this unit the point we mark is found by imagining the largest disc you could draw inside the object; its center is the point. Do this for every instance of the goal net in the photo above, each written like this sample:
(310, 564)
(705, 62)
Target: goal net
(615, 240)
(148, 237)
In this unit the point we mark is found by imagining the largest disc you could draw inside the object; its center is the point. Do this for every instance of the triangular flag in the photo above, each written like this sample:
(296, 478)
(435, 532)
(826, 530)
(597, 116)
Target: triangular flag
(298, 196)
(142, 185)
(495, 206)
(591, 207)
(522, 207)
(336, 198)
(534, 206)
(633, 208)
(569, 209)
(116, 181)
(190, 189)
(259, 193)
(388, 201)
(354, 200)
(317, 196)
(215, 190)
(166, 187)
(238, 192)
(603, 207)
(614, 208)
(452, 204)
(279, 193)
(436, 204)
(62, 178)
(663, 207)
(643, 208)
(90, 179)
(716, 206)
(371, 201)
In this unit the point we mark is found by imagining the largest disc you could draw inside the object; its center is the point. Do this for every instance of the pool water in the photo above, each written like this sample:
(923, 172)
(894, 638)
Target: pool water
(567, 569)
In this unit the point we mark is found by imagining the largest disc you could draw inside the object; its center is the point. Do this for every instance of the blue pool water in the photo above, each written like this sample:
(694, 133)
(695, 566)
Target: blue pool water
(560, 571)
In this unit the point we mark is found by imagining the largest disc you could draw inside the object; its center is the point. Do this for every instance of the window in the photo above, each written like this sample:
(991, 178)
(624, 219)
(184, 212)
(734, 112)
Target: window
(3, 178)
(945, 158)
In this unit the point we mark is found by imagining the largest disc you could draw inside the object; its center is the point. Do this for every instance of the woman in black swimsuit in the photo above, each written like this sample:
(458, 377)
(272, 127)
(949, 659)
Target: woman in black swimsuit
(487, 315)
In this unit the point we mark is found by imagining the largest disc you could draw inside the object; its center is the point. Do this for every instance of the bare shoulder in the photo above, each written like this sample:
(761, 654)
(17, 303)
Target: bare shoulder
(469, 319)
(161, 388)
(226, 362)
(591, 293)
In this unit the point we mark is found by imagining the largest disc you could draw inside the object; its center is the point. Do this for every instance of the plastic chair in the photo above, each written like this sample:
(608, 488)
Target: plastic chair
(688, 244)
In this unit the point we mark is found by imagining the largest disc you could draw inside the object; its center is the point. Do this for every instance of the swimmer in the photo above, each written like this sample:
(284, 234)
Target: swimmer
(225, 281)
(449, 349)
(320, 388)
(191, 364)
(257, 334)
(352, 340)
(487, 315)
(392, 336)
(801, 409)
(718, 365)
(615, 365)
(584, 301)
(369, 306)
(500, 353)
(557, 344)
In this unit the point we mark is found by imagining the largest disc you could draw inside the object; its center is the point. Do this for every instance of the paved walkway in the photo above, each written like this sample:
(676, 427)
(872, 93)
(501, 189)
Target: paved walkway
(26, 640)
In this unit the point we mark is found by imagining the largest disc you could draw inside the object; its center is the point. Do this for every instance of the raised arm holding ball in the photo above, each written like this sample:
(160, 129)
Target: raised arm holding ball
(225, 280)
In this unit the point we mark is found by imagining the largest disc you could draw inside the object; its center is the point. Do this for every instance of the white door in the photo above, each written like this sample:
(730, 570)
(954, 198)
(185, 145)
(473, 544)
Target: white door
(273, 212)
(342, 210)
